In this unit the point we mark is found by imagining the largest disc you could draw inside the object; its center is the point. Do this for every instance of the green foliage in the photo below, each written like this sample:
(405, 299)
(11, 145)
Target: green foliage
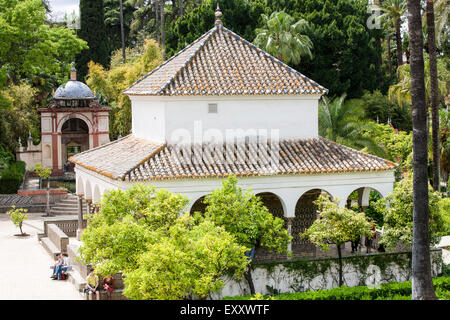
(42, 171)
(18, 216)
(6, 158)
(240, 16)
(11, 178)
(398, 217)
(344, 52)
(283, 37)
(401, 91)
(396, 144)
(444, 208)
(343, 121)
(379, 108)
(93, 31)
(31, 47)
(336, 225)
(389, 291)
(243, 215)
(162, 252)
(185, 263)
(19, 115)
(109, 84)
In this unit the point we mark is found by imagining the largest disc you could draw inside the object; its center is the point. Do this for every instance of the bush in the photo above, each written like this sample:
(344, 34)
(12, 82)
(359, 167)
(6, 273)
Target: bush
(12, 178)
(389, 291)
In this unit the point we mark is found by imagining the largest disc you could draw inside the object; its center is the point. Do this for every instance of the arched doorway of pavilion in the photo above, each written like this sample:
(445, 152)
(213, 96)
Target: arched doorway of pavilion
(74, 139)
(273, 203)
(305, 214)
(198, 206)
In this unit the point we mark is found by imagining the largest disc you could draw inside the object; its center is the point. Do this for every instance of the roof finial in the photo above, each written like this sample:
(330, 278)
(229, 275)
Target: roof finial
(218, 16)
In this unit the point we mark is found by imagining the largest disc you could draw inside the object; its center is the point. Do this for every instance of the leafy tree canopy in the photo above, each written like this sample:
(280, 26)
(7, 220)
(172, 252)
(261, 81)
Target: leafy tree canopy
(162, 251)
(398, 216)
(30, 46)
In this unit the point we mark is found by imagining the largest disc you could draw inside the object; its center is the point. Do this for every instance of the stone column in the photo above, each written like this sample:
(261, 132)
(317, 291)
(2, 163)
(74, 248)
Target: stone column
(88, 206)
(80, 216)
(289, 228)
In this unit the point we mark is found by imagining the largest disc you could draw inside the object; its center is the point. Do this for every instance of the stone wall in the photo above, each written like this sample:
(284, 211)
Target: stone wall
(318, 274)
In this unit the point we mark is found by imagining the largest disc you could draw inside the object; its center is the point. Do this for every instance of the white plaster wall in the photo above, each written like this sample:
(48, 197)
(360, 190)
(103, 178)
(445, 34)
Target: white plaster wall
(148, 119)
(164, 119)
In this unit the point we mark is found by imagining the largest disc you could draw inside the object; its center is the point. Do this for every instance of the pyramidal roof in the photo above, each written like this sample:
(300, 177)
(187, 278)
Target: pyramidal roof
(222, 63)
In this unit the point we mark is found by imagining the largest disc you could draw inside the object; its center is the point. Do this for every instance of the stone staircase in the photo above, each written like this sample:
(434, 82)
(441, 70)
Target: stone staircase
(67, 206)
(31, 183)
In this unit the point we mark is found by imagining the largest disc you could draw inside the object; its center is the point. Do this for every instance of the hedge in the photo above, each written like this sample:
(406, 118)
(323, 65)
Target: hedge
(389, 291)
(12, 178)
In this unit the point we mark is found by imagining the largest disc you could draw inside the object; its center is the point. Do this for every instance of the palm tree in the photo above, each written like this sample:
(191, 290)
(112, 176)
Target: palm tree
(343, 123)
(283, 38)
(434, 91)
(393, 14)
(422, 284)
(401, 91)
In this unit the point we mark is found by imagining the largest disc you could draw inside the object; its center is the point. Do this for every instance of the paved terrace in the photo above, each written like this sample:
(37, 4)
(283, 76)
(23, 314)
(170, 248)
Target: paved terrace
(24, 265)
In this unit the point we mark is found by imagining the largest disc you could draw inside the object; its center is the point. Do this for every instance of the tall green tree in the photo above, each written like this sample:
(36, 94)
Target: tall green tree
(434, 91)
(162, 252)
(283, 37)
(422, 285)
(398, 215)
(335, 226)
(394, 11)
(32, 48)
(93, 31)
(243, 215)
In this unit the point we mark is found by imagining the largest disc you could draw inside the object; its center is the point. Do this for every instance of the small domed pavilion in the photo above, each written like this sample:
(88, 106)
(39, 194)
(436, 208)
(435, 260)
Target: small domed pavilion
(74, 121)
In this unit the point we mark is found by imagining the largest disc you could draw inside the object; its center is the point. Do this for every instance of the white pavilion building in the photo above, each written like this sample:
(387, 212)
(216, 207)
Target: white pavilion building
(224, 107)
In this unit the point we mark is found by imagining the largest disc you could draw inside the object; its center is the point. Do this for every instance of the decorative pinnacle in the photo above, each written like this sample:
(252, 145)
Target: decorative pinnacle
(218, 16)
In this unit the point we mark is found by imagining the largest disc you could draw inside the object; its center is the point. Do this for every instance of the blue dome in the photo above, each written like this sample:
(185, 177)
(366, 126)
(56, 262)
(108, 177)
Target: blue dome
(73, 90)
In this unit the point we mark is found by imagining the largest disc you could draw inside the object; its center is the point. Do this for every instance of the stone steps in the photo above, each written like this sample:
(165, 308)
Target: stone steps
(50, 247)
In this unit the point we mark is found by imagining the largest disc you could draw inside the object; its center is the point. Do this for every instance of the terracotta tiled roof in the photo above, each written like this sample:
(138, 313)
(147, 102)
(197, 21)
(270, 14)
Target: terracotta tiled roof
(134, 159)
(117, 158)
(222, 63)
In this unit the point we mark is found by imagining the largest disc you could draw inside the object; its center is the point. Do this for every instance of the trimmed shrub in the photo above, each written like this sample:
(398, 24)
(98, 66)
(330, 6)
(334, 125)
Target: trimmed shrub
(389, 291)
(12, 178)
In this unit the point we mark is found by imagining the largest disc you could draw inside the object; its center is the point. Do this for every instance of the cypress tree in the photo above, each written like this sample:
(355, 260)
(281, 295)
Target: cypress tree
(93, 31)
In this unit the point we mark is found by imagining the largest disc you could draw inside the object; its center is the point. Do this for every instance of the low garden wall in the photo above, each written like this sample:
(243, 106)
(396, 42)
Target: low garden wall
(319, 274)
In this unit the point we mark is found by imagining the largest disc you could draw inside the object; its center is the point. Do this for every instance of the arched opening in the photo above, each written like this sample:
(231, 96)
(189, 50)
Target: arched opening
(88, 191)
(305, 214)
(96, 197)
(74, 139)
(198, 206)
(273, 203)
(364, 199)
(275, 206)
(79, 186)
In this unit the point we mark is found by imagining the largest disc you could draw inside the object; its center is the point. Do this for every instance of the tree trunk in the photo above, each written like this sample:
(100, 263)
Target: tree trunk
(422, 284)
(398, 37)
(163, 32)
(341, 281)
(48, 198)
(248, 277)
(389, 55)
(434, 99)
(157, 22)
(122, 34)
(181, 12)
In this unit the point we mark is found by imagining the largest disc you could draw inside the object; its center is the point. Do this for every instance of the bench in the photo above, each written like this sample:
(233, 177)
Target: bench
(56, 240)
